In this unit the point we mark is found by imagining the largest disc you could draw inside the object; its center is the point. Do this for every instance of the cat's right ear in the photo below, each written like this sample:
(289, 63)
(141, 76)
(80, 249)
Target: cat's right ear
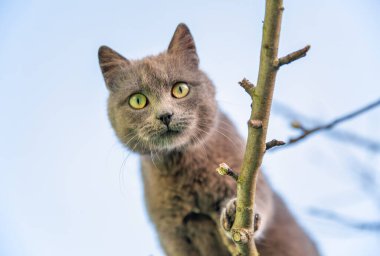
(111, 63)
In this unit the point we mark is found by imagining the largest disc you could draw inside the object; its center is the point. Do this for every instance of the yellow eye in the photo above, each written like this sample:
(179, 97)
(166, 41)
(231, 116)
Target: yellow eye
(180, 90)
(138, 101)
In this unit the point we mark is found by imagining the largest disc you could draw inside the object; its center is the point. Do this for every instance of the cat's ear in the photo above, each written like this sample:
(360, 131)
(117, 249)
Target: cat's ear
(182, 43)
(111, 63)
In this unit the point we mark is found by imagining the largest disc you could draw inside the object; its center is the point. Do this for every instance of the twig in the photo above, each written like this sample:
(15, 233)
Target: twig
(356, 139)
(273, 143)
(366, 177)
(330, 125)
(366, 226)
(224, 169)
(292, 57)
(247, 85)
(339, 135)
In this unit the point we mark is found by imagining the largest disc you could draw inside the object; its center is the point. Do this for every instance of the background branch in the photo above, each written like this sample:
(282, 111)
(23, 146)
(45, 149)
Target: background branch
(346, 136)
(373, 226)
(330, 125)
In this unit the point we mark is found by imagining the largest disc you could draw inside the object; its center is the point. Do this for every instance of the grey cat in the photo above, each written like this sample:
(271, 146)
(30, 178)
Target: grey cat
(164, 108)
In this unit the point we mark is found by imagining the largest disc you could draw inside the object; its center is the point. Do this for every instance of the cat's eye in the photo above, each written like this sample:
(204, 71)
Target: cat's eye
(180, 90)
(138, 101)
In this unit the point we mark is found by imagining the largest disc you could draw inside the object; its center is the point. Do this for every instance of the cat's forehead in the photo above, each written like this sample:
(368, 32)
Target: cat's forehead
(161, 67)
(157, 73)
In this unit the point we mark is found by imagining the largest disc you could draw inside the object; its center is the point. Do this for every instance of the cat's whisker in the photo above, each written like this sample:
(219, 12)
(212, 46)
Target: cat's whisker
(122, 167)
(121, 171)
(201, 144)
(152, 157)
(227, 137)
(233, 142)
(158, 156)
(137, 142)
(134, 136)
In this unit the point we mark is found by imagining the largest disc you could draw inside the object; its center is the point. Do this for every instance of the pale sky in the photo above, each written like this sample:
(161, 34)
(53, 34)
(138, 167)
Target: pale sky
(66, 186)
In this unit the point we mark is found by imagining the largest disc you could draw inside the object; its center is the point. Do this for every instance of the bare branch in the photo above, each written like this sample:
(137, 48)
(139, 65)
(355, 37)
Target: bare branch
(330, 125)
(356, 139)
(292, 57)
(345, 136)
(361, 225)
(243, 228)
(274, 143)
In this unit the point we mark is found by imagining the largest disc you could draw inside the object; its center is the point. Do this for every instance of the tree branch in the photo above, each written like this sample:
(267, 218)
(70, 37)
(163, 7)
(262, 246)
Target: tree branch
(340, 135)
(243, 227)
(292, 57)
(330, 125)
(365, 226)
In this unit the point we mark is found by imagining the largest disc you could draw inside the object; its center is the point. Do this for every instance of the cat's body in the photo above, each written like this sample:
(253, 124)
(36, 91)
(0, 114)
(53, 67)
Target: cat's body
(182, 137)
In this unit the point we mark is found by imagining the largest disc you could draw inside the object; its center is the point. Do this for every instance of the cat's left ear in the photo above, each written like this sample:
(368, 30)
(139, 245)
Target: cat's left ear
(182, 43)
(111, 63)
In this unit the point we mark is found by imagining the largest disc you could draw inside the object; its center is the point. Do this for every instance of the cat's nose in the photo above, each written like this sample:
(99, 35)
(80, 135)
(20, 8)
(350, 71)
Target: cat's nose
(165, 118)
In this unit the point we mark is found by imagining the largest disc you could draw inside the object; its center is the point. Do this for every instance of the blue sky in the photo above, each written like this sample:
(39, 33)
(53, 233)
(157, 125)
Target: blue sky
(65, 186)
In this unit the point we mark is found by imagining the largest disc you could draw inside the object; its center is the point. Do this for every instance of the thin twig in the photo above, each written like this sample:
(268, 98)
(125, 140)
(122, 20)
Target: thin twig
(292, 57)
(273, 143)
(356, 139)
(224, 169)
(362, 225)
(330, 125)
(340, 135)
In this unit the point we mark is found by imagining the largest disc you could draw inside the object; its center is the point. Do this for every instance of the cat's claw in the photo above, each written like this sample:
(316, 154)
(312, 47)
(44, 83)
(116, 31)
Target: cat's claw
(257, 222)
(228, 214)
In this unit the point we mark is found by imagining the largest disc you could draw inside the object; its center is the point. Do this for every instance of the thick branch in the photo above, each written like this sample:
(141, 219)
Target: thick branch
(292, 57)
(330, 125)
(243, 228)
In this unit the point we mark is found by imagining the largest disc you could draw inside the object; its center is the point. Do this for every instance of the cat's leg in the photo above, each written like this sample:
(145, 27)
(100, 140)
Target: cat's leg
(176, 242)
(204, 233)
(198, 236)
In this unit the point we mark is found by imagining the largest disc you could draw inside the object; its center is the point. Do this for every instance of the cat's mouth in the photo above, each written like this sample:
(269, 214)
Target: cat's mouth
(167, 138)
(170, 132)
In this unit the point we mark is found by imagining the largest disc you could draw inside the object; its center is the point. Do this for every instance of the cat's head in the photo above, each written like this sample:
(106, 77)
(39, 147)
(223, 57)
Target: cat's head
(162, 102)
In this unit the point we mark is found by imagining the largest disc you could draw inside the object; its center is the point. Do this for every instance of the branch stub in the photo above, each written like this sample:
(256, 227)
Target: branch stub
(240, 236)
(256, 124)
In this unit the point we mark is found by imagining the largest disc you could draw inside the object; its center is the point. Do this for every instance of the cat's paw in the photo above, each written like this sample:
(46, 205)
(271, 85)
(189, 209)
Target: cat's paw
(228, 214)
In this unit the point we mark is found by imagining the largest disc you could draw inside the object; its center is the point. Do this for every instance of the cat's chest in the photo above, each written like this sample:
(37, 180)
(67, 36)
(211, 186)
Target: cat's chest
(182, 189)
